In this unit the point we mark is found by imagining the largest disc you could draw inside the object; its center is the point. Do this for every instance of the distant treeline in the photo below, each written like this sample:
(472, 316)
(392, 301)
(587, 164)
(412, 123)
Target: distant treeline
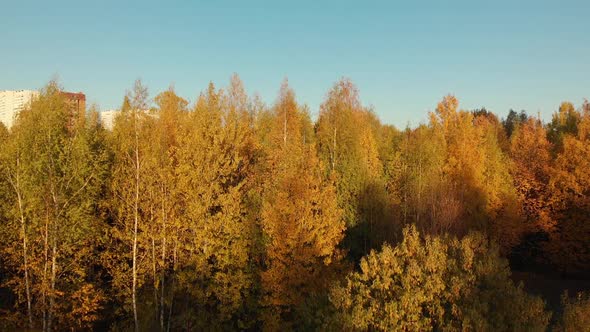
(228, 214)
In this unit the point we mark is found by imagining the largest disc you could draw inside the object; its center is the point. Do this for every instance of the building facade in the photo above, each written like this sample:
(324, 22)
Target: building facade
(12, 102)
(107, 118)
(76, 103)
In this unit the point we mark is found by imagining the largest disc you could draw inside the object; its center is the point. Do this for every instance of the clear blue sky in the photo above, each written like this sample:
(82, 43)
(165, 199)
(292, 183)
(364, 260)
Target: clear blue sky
(403, 55)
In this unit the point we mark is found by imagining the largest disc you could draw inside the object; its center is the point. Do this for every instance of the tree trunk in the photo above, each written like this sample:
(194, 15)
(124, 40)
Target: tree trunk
(135, 223)
(24, 236)
(172, 286)
(26, 267)
(45, 265)
(285, 129)
(155, 275)
(53, 258)
(53, 277)
(334, 149)
(163, 271)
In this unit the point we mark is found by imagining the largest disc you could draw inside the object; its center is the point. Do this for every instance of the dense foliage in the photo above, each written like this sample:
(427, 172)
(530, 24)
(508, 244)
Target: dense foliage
(576, 313)
(228, 214)
(436, 283)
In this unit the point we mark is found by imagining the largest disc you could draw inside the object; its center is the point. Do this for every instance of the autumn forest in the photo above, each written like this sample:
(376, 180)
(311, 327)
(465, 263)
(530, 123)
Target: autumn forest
(231, 214)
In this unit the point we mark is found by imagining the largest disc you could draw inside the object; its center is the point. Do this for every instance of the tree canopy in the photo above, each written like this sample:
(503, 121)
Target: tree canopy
(229, 214)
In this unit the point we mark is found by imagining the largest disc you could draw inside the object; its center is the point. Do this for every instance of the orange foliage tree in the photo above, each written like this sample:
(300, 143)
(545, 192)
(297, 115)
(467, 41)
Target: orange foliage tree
(300, 218)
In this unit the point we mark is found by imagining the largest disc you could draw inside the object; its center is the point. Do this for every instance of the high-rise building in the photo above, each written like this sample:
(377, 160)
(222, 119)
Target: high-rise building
(76, 100)
(12, 102)
(77, 106)
(107, 118)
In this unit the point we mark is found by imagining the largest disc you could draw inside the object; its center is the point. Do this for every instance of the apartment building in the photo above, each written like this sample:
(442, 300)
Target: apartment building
(12, 102)
(107, 118)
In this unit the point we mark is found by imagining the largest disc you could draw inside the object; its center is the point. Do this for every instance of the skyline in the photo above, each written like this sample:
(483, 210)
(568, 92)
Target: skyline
(403, 58)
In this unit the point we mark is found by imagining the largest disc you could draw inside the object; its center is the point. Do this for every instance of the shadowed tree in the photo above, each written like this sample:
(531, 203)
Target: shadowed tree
(570, 184)
(512, 120)
(348, 137)
(435, 283)
(564, 122)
